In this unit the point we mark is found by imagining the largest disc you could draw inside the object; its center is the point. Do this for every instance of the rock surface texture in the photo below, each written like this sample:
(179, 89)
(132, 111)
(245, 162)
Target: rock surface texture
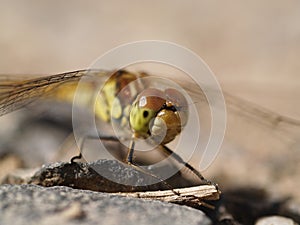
(32, 204)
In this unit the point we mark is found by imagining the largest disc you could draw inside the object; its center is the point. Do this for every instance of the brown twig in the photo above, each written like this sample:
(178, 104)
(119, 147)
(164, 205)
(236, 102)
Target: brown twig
(185, 196)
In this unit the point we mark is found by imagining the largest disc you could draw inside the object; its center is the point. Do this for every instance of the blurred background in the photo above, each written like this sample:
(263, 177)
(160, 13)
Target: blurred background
(252, 47)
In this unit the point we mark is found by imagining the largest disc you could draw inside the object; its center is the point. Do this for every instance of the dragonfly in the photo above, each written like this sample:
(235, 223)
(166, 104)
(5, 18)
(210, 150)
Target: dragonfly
(145, 112)
(137, 105)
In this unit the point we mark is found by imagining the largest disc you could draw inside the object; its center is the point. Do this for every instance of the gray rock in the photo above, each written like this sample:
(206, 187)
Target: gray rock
(102, 175)
(31, 204)
(275, 220)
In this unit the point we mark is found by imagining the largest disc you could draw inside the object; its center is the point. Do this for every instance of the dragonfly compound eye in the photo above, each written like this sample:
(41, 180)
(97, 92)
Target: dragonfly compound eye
(145, 108)
(166, 126)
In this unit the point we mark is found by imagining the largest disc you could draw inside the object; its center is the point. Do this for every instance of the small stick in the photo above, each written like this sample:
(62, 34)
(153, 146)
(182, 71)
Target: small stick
(195, 195)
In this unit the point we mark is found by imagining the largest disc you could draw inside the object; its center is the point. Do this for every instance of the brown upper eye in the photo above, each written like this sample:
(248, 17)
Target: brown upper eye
(151, 99)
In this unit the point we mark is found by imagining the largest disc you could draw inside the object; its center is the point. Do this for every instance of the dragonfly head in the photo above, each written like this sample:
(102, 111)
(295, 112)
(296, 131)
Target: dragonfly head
(156, 114)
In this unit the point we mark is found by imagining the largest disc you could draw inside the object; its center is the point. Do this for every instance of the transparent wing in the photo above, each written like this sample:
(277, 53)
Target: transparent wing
(252, 126)
(19, 91)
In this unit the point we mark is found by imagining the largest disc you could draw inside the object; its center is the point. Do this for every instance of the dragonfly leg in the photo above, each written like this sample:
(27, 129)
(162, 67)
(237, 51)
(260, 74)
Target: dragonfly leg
(129, 161)
(129, 158)
(175, 156)
(90, 136)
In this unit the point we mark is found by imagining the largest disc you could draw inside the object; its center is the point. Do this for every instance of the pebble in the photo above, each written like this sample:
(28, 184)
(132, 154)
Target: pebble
(275, 220)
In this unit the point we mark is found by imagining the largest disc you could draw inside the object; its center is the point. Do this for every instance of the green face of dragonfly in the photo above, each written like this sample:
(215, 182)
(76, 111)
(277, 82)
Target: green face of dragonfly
(140, 119)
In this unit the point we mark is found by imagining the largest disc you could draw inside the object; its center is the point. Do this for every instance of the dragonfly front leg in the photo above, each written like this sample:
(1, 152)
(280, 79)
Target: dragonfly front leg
(91, 136)
(175, 156)
(129, 158)
(129, 161)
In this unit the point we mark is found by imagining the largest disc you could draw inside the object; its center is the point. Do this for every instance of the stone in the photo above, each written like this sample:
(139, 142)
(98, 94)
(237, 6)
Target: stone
(32, 204)
(275, 220)
(102, 175)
